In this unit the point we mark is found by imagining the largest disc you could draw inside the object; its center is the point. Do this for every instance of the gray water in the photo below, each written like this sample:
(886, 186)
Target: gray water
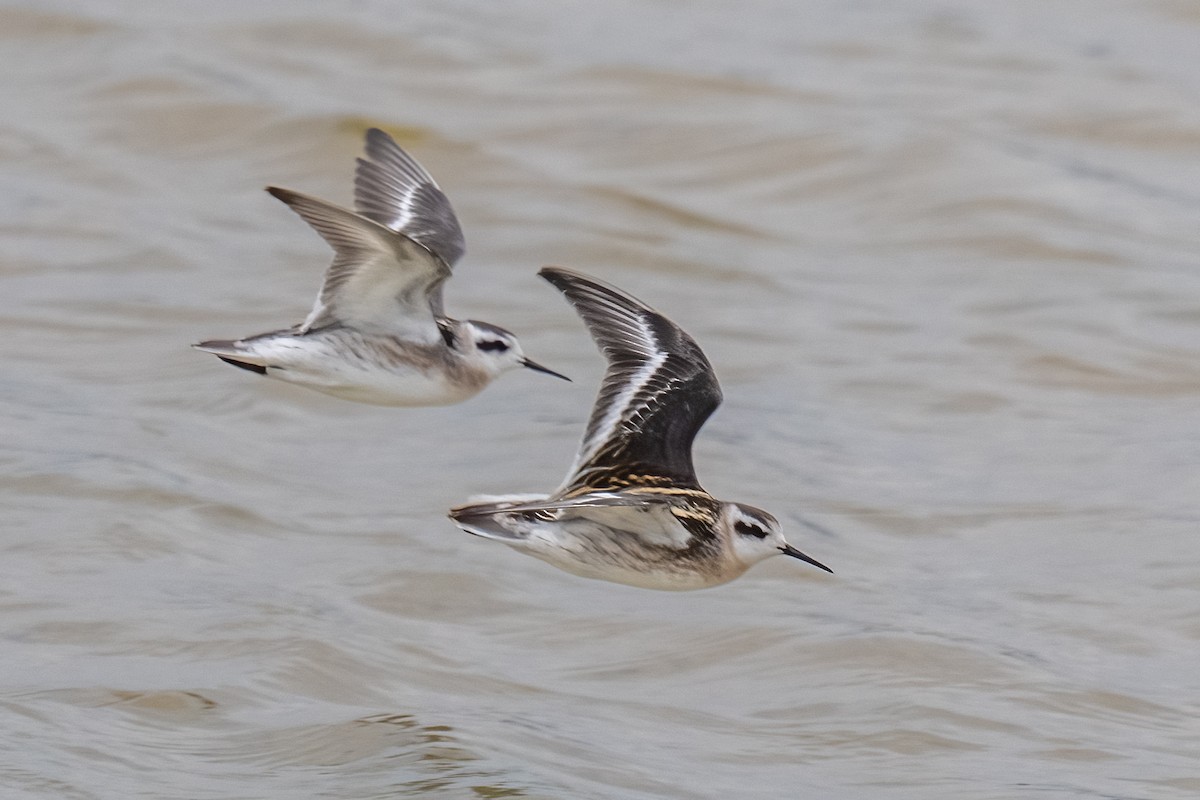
(943, 256)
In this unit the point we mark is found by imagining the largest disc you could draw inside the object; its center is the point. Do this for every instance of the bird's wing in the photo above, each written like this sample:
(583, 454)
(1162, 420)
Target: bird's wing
(378, 278)
(656, 394)
(392, 189)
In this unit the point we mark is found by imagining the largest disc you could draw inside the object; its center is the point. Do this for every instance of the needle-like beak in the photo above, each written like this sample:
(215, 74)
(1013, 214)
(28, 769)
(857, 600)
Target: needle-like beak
(788, 550)
(536, 367)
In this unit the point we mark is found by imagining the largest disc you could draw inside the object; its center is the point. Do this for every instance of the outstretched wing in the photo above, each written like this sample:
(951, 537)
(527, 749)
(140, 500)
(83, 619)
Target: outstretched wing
(657, 392)
(391, 188)
(378, 278)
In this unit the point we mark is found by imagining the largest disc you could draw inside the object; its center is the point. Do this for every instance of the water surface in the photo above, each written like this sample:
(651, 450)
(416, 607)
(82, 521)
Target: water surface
(943, 257)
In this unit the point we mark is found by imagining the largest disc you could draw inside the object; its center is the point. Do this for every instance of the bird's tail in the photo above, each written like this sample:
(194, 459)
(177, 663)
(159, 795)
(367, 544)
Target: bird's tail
(232, 352)
(487, 520)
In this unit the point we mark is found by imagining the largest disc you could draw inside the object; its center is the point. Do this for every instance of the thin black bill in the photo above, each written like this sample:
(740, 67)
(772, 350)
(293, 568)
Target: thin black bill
(536, 367)
(788, 550)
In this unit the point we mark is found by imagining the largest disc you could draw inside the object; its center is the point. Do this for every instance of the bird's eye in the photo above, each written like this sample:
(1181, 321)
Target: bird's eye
(490, 346)
(748, 529)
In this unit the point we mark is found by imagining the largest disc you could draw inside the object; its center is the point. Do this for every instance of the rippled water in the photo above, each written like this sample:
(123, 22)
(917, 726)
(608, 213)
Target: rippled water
(943, 256)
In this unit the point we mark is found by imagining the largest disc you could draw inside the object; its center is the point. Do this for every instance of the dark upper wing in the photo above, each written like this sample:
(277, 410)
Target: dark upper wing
(391, 188)
(657, 392)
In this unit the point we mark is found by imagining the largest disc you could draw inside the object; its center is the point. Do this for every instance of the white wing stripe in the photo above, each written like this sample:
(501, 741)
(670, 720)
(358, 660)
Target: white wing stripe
(620, 405)
(404, 211)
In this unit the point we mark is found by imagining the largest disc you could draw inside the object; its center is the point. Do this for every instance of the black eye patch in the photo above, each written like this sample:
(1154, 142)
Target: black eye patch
(490, 346)
(746, 529)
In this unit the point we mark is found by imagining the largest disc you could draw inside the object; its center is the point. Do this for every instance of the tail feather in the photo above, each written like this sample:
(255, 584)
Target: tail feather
(229, 351)
(487, 521)
(259, 368)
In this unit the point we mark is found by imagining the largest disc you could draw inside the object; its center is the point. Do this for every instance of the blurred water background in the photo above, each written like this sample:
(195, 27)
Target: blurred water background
(944, 257)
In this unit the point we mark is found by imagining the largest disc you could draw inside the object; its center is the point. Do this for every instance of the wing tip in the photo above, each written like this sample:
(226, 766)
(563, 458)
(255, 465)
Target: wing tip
(556, 276)
(375, 138)
(384, 152)
(599, 302)
(287, 196)
(564, 278)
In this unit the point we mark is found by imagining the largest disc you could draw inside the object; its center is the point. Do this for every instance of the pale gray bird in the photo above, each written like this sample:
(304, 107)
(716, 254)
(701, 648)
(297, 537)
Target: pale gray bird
(631, 509)
(377, 332)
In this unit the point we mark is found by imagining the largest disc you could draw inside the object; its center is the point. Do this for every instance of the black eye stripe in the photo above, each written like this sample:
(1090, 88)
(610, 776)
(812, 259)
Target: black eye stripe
(747, 529)
(489, 346)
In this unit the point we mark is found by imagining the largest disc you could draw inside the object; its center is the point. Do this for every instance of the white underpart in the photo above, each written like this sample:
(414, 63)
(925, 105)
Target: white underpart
(318, 363)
